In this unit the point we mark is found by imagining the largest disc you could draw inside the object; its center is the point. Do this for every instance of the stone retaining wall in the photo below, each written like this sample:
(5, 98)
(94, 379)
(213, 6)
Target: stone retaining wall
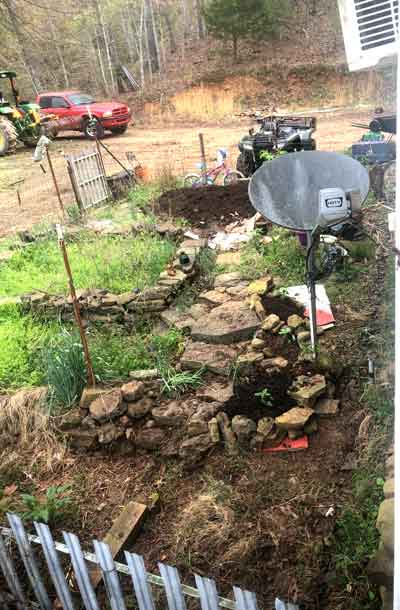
(380, 568)
(97, 305)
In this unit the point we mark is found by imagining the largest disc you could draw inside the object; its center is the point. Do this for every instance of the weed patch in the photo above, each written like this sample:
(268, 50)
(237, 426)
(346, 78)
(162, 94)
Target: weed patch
(282, 257)
(48, 509)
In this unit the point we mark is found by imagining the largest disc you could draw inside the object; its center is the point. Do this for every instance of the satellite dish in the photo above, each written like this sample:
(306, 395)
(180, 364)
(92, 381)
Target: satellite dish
(286, 190)
(309, 191)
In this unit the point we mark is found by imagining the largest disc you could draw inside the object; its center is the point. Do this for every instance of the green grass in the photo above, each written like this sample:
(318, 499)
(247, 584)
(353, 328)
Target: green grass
(114, 263)
(22, 341)
(356, 538)
(34, 353)
(283, 257)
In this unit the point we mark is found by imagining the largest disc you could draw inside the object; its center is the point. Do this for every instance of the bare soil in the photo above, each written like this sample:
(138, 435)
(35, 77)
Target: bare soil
(205, 206)
(256, 520)
(174, 147)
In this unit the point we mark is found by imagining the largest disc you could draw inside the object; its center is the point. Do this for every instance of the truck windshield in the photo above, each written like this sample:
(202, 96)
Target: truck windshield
(80, 98)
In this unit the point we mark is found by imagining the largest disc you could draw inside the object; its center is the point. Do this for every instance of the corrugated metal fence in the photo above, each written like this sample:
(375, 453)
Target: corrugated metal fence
(142, 583)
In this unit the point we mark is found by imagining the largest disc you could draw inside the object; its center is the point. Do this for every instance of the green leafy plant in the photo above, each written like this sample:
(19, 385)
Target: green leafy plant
(65, 369)
(282, 256)
(265, 155)
(49, 509)
(175, 383)
(288, 333)
(73, 213)
(265, 397)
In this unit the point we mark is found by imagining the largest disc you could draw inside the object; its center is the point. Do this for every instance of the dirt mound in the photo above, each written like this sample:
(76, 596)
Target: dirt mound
(209, 205)
(281, 306)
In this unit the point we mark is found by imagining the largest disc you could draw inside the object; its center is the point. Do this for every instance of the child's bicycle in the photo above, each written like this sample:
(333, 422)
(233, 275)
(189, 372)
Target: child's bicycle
(229, 176)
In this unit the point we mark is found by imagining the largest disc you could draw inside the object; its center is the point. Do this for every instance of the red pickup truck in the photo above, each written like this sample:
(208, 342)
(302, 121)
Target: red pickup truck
(74, 110)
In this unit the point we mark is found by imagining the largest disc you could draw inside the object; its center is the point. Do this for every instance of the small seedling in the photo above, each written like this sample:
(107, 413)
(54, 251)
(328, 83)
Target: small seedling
(265, 396)
(287, 332)
(49, 509)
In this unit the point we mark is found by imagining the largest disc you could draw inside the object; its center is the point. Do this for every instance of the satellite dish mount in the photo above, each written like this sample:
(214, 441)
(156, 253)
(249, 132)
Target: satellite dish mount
(309, 192)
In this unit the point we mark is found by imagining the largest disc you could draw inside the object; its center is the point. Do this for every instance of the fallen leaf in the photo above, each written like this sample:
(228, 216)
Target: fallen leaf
(10, 489)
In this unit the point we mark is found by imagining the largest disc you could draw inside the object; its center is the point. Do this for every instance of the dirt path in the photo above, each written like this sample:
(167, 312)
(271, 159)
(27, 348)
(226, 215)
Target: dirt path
(175, 147)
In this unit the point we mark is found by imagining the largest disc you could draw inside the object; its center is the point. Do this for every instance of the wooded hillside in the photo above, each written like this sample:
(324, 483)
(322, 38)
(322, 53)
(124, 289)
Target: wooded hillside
(83, 44)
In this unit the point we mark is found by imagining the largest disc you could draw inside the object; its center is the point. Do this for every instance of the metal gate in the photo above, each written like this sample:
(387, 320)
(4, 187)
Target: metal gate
(88, 178)
(139, 581)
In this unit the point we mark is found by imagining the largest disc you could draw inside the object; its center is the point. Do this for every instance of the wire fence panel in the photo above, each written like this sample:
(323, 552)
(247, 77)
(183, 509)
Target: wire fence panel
(77, 585)
(88, 178)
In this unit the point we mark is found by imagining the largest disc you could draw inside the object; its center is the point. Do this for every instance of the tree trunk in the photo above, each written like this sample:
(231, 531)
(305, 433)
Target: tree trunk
(162, 39)
(141, 54)
(235, 48)
(155, 35)
(101, 23)
(27, 60)
(59, 53)
(201, 30)
(146, 39)
(101, 64)
(126, 28)
(170, 30)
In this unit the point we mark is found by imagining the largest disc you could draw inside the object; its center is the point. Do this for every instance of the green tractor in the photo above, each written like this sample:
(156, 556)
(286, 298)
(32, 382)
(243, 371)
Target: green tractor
(19, 120)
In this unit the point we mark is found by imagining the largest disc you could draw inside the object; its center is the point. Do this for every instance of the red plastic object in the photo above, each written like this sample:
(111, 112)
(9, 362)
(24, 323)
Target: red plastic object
(289, 445)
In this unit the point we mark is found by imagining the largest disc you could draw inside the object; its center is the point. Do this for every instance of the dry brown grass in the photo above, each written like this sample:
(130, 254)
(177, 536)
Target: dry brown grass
(165, 175)
(26, 429)
(206, 523)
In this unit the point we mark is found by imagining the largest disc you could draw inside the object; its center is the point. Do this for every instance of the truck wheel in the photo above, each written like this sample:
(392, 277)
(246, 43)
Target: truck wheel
(93, 129)
(8, 137)
(118, 131)
(245, 165)
(310, 145)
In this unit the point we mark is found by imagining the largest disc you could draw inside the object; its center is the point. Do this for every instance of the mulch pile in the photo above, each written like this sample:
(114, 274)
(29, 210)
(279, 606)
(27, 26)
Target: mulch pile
(208, 205)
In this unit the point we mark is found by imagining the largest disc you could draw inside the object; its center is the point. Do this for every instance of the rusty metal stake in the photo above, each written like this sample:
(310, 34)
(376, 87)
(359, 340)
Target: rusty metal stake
(55, 182)
(203, 160)
(19, 199)
(77, 313)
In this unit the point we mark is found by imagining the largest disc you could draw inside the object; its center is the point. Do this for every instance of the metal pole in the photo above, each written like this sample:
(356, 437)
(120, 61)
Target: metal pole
(311, 290)
(55, 182)
(203, 160)
(75, 304)
(396, 567)
(112, 155)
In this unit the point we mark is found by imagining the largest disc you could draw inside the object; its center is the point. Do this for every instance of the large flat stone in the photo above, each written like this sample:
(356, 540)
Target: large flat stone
(227, 280)
(217, 359)
(294, 419)
(229, 323)
(214, 298)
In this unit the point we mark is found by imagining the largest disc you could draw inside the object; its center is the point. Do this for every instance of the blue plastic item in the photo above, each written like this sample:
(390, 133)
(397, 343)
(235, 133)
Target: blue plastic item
(374, 152)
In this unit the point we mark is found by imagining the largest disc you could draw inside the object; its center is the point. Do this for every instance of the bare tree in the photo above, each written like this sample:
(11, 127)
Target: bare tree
(23, 45)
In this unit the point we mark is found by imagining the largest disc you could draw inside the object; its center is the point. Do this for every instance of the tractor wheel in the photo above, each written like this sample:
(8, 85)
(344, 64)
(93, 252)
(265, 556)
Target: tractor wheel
(245, 165)
(310, 145)
(8, 137)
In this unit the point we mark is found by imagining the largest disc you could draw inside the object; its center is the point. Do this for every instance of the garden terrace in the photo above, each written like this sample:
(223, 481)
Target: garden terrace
(187, 409)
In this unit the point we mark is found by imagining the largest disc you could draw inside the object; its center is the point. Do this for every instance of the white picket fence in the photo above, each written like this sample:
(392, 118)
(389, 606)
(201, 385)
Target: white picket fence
(77, 583)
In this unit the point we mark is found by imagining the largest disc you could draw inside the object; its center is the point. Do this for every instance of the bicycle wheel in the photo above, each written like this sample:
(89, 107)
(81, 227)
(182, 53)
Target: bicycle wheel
(233, 177)
(191, 180)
